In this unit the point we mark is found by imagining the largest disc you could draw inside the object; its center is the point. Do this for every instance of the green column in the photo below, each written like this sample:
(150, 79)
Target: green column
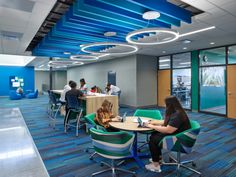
(195, 80)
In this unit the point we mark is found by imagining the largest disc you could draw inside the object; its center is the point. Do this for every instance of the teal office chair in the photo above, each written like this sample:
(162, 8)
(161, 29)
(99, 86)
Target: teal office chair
(114, 146)
(182, 143)
(154, 114)
(90, 123)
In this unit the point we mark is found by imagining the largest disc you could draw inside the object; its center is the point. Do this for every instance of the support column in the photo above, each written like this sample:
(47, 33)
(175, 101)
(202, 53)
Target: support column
(50, 75)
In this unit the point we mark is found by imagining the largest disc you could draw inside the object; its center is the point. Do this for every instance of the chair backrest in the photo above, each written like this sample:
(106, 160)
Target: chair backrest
(112, 145)
(36, 93)
(72, 102)
(154, 114)
(52, 97)
(89, 119)
(183, 142)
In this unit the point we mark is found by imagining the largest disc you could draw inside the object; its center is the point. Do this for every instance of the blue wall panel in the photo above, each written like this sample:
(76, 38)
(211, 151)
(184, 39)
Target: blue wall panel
(27, 73)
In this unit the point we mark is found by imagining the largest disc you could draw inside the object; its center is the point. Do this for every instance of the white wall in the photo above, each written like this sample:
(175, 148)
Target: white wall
(146, 80)
(41, 77)
(96, 74)
(136, 75)
(59, 79)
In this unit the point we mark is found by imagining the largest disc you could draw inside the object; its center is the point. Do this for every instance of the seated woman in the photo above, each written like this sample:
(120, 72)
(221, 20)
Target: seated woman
(95, 89)
(104, 116)
(20, 91)
(176, 121)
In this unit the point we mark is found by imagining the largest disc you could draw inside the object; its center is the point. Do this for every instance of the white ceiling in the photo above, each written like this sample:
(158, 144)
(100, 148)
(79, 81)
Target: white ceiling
(23, 17)
(219, 13)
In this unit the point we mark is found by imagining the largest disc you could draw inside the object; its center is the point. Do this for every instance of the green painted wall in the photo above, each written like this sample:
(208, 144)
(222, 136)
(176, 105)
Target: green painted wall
(195, 80)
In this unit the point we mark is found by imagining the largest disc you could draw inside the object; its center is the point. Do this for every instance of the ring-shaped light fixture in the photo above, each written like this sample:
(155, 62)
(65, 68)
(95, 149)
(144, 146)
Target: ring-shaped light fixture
(85, 48)
(64, 63)
(152, 30)
(84, 57)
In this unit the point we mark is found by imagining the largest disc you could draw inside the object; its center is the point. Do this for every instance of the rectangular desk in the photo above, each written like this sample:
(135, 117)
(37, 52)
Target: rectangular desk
(93, 103)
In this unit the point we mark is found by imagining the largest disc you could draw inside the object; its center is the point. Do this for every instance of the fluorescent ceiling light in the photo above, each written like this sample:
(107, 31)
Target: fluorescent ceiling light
(66, 53)
(164, 60)
(41, 66)
(151, 15)
(197, 31)
(15, 60)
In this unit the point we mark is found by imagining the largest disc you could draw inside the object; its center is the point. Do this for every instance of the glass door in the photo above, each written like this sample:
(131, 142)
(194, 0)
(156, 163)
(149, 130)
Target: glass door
(181, 78)
(212, 80)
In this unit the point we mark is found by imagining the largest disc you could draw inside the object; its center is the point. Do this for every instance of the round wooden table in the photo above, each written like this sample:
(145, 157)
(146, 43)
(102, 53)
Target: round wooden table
(131, 125)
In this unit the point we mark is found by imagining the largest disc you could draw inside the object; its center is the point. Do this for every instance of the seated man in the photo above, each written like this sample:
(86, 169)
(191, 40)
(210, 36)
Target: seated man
(72, 98)
(104, 116)
(66, 89)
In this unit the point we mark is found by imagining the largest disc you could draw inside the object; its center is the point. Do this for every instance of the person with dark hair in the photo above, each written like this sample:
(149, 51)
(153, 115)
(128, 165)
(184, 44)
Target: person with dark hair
(113, 90)
(66, 89)
(176, 121)
(95, 89)
(72, 98)
(83, 85)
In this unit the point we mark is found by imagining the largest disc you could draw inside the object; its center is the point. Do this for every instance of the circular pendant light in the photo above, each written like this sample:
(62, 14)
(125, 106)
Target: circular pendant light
(154, 36)
(84, 57)
(114, 48)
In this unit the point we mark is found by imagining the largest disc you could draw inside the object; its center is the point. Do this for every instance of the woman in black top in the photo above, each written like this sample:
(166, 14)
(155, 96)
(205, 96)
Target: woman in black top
(176, 121)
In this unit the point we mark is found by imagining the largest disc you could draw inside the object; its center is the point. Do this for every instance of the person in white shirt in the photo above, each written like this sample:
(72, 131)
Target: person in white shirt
(66, 89)
(83, 86)
(113, 90)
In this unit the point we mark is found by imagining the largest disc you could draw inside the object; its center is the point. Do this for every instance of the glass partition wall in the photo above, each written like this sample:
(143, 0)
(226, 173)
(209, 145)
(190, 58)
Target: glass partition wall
(180, 66)
(181, 78)
(212, 80)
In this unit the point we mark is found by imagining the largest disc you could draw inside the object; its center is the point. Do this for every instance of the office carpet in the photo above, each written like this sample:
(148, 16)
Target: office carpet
(64, 155)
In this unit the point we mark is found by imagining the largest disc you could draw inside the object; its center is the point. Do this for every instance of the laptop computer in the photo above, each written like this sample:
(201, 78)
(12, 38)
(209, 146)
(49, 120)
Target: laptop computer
(123, 118)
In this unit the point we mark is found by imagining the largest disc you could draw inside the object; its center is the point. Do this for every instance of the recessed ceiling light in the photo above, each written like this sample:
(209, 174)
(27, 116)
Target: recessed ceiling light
(184, 48)
(151, 15)
(212, 43)
(186, 41)
(163, 51)
(66, 53)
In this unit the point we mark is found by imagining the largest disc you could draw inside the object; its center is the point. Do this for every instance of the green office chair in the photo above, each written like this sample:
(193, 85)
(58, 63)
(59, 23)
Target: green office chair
(154, 114)
(73, 119)
(114, 146)
(182, 143)
(90, 123)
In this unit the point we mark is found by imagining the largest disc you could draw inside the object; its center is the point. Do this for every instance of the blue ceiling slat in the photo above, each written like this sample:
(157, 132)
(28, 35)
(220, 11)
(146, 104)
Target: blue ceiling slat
(87, 21)
(110, 18)
(128, 16)
(128, 6)
(166, 8)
